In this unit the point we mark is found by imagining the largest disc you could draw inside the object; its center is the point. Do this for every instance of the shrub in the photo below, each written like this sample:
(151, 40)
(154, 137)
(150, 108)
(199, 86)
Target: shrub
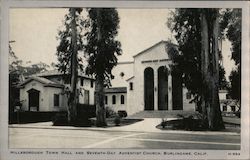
(163, 123)
(86, 110)
(60, 119)
(82, 122)
(238, 114)
(110, 112)
(122, 113)
(117, 120)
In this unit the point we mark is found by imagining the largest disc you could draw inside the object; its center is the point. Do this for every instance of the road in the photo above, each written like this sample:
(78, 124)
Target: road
(64, 138)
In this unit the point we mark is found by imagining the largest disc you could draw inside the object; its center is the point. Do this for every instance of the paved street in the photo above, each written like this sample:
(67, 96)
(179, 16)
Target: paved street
(67, 138)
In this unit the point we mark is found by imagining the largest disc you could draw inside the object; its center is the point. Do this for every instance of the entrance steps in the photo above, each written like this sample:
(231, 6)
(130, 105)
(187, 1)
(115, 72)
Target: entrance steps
(160, 114)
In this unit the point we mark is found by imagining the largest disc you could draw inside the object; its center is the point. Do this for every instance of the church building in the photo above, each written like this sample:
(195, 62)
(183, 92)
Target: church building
(151, 83)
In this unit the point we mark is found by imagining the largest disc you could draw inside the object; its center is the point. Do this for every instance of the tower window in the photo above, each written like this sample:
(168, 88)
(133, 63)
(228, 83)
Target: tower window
(106, 99)
(131, 86)
(122, 99)
(113, 99)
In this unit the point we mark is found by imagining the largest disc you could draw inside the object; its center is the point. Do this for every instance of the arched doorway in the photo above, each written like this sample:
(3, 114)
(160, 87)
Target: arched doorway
(177, 89)
(33, 99)
(162, 88)
(149, 89)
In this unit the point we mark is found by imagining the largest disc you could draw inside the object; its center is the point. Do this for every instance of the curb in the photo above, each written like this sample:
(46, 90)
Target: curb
(117, 130)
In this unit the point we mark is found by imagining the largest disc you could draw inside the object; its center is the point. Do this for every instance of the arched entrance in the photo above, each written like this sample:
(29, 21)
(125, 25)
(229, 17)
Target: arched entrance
(33, 99)
(177, 89)
(149, 89)
(162, 88)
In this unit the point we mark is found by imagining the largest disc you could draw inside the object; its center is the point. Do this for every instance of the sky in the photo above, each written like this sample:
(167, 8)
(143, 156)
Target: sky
(34, 32)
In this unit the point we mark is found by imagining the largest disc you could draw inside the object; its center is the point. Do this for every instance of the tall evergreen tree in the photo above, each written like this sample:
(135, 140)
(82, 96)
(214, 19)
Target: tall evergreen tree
(210, 68)
(197, 33)
(232, 23)
(71, 43)
(102, 48)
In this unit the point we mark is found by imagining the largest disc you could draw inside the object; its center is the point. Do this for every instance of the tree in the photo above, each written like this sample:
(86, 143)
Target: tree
(235, 84)
(232, 22)
(67, 53)
(210, 68)
(197, 34)
(17, 74)
(102, 48)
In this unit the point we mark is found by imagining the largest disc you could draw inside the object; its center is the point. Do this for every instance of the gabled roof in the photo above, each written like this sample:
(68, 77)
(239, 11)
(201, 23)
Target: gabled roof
(162, 41)
(56, 73)
(116, 90)
(44, 81)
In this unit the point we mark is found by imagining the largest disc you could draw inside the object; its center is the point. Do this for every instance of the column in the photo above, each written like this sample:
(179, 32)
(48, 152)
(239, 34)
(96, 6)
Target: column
(170, 98)
(155, 89)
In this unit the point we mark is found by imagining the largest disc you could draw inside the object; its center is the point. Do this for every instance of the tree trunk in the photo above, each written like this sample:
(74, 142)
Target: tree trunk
(210, 72)
(72, 101)
(99, 94)
(100, 108)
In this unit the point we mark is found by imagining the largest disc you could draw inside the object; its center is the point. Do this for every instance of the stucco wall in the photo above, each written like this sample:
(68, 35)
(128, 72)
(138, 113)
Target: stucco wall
(123, 67)
(86, 86)
(117, 106)
(46, 97)
(155, 55)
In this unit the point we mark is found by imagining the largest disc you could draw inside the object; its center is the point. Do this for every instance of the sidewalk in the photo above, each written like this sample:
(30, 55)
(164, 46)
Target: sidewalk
(146, 125)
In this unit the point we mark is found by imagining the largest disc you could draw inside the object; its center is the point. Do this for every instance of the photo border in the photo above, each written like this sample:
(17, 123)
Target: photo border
(5, 152)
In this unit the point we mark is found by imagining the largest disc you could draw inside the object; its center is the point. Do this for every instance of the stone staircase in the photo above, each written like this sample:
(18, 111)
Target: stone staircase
(160, 114)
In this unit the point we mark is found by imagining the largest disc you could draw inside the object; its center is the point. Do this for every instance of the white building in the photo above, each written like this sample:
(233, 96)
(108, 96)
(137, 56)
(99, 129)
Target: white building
(116, 98)
(46, 92)
(151, 82)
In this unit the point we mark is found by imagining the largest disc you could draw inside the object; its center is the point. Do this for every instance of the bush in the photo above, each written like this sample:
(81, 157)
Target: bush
(238, 114)
(163, 123)
(122, 113)
(191, 122)
(60, 119)
(82, 122)
(117, 120)
(110, 112)
(32, 117)
(86, 110)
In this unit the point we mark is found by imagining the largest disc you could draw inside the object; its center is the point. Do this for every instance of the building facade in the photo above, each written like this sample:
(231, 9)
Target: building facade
(47, 92)
(151, 82)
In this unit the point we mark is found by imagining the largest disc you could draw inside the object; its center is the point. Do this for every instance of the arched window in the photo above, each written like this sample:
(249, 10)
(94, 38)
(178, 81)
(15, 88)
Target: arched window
(106, 99)
(113, 99)
(130, 86)
(122, 99)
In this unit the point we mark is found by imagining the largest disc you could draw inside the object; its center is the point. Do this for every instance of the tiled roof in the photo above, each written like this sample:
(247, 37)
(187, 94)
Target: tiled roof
(116, 90)
(56, 72)
(46, 82)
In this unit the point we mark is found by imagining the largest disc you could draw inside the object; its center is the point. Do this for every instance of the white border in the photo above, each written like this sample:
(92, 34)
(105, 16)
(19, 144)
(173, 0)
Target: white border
(212, 154)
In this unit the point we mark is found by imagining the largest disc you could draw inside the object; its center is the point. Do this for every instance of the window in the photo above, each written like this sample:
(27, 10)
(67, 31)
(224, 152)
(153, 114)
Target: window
(113, 99)
(188, 95)
(91, 83)
(131, 86)
(82, 82)
(56, 100)
(233, 108)
(122, 99)
(106, 99)
(224, 108)
(86, 97)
